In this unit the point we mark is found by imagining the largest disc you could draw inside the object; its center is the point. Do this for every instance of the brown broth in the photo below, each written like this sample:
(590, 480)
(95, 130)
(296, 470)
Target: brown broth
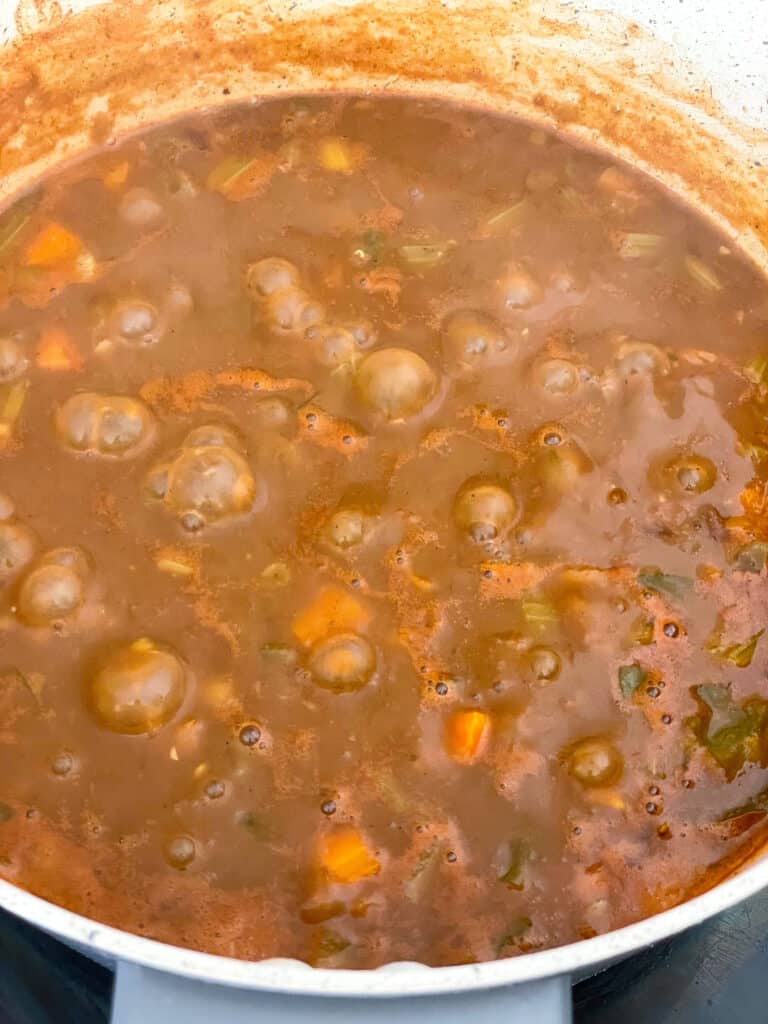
(396, 656)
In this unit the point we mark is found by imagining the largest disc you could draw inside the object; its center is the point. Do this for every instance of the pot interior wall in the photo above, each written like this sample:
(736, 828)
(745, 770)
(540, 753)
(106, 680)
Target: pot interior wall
(67, 82)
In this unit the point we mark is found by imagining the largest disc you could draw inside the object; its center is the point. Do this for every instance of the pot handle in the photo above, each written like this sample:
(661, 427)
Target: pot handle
(146, 996)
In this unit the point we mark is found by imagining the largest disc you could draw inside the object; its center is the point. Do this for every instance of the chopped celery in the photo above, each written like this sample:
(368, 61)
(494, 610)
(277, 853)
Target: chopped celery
(326, 942)
(752, 557)
(511, 938)
(572, 202)
(391, 791)
(240, 177)
(756, 370)
(539, 614)
(518, 855)
(733, 735)
(638, 245)
(738, 654)
(369, 250)
(226, 173)
(716, 697)
(11, 227)
(425, 256)
(423, 873)
(11, 676)
(174, 567)
(642, 631)
(664, 583)
(755, 805)
(13, 222)
(506, 218)
(279, 654)
(702, 273)
(12, 400)
(631, 677)
(752, 450)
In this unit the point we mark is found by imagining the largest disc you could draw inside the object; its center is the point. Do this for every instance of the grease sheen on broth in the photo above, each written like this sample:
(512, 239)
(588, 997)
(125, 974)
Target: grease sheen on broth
(383, 537)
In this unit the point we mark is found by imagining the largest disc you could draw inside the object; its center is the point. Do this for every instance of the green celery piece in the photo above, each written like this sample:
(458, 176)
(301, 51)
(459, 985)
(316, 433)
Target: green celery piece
(539, 614)
(327, 943)
(423, 872)
(751, 450)
(638, 245)
(11, 230)
(755, 804)
(733, 735)
(279, 654)
(225, 174)
(371, 247)
(702, 273)
(642, 631)
(572, 202)
(255, 824)
(11, 676)
(739, 654)
(716, 697)
(506, 218)
(391, 791)
(631, 678)
(756, 370)
(13, 222)
(664, 583)
(425, 255)
(519, 855)
(752, 557)
(735, 745)
(516, 931)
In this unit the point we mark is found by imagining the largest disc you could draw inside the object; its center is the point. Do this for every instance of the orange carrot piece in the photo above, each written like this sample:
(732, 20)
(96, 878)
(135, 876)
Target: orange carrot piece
(339, 155)
(333, 611)
(52, 244)
(464, 732)
(57, 351)
(117, 175)
(345, 857)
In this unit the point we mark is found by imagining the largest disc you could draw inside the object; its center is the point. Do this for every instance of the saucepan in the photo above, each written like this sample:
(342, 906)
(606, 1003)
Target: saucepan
(684, 96)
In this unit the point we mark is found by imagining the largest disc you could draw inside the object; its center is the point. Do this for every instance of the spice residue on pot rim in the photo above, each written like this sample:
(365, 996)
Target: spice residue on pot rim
(595, 76)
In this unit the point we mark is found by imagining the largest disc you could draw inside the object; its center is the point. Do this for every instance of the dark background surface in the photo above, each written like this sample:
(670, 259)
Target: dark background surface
(715, 974)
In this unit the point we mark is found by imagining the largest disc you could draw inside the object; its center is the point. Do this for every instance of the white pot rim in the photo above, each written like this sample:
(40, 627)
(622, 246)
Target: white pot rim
(400, 979)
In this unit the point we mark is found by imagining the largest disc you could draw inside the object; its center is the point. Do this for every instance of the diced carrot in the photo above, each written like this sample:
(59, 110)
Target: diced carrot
(52, 244)
(344, 856)
(606, 798)
(333, 610)
(117, 175)
(464, 732)
(340, 156)
(386, 281)
(57, 351)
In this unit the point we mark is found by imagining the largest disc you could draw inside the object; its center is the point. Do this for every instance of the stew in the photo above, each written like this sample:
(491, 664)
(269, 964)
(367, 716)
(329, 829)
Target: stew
(383, 537)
